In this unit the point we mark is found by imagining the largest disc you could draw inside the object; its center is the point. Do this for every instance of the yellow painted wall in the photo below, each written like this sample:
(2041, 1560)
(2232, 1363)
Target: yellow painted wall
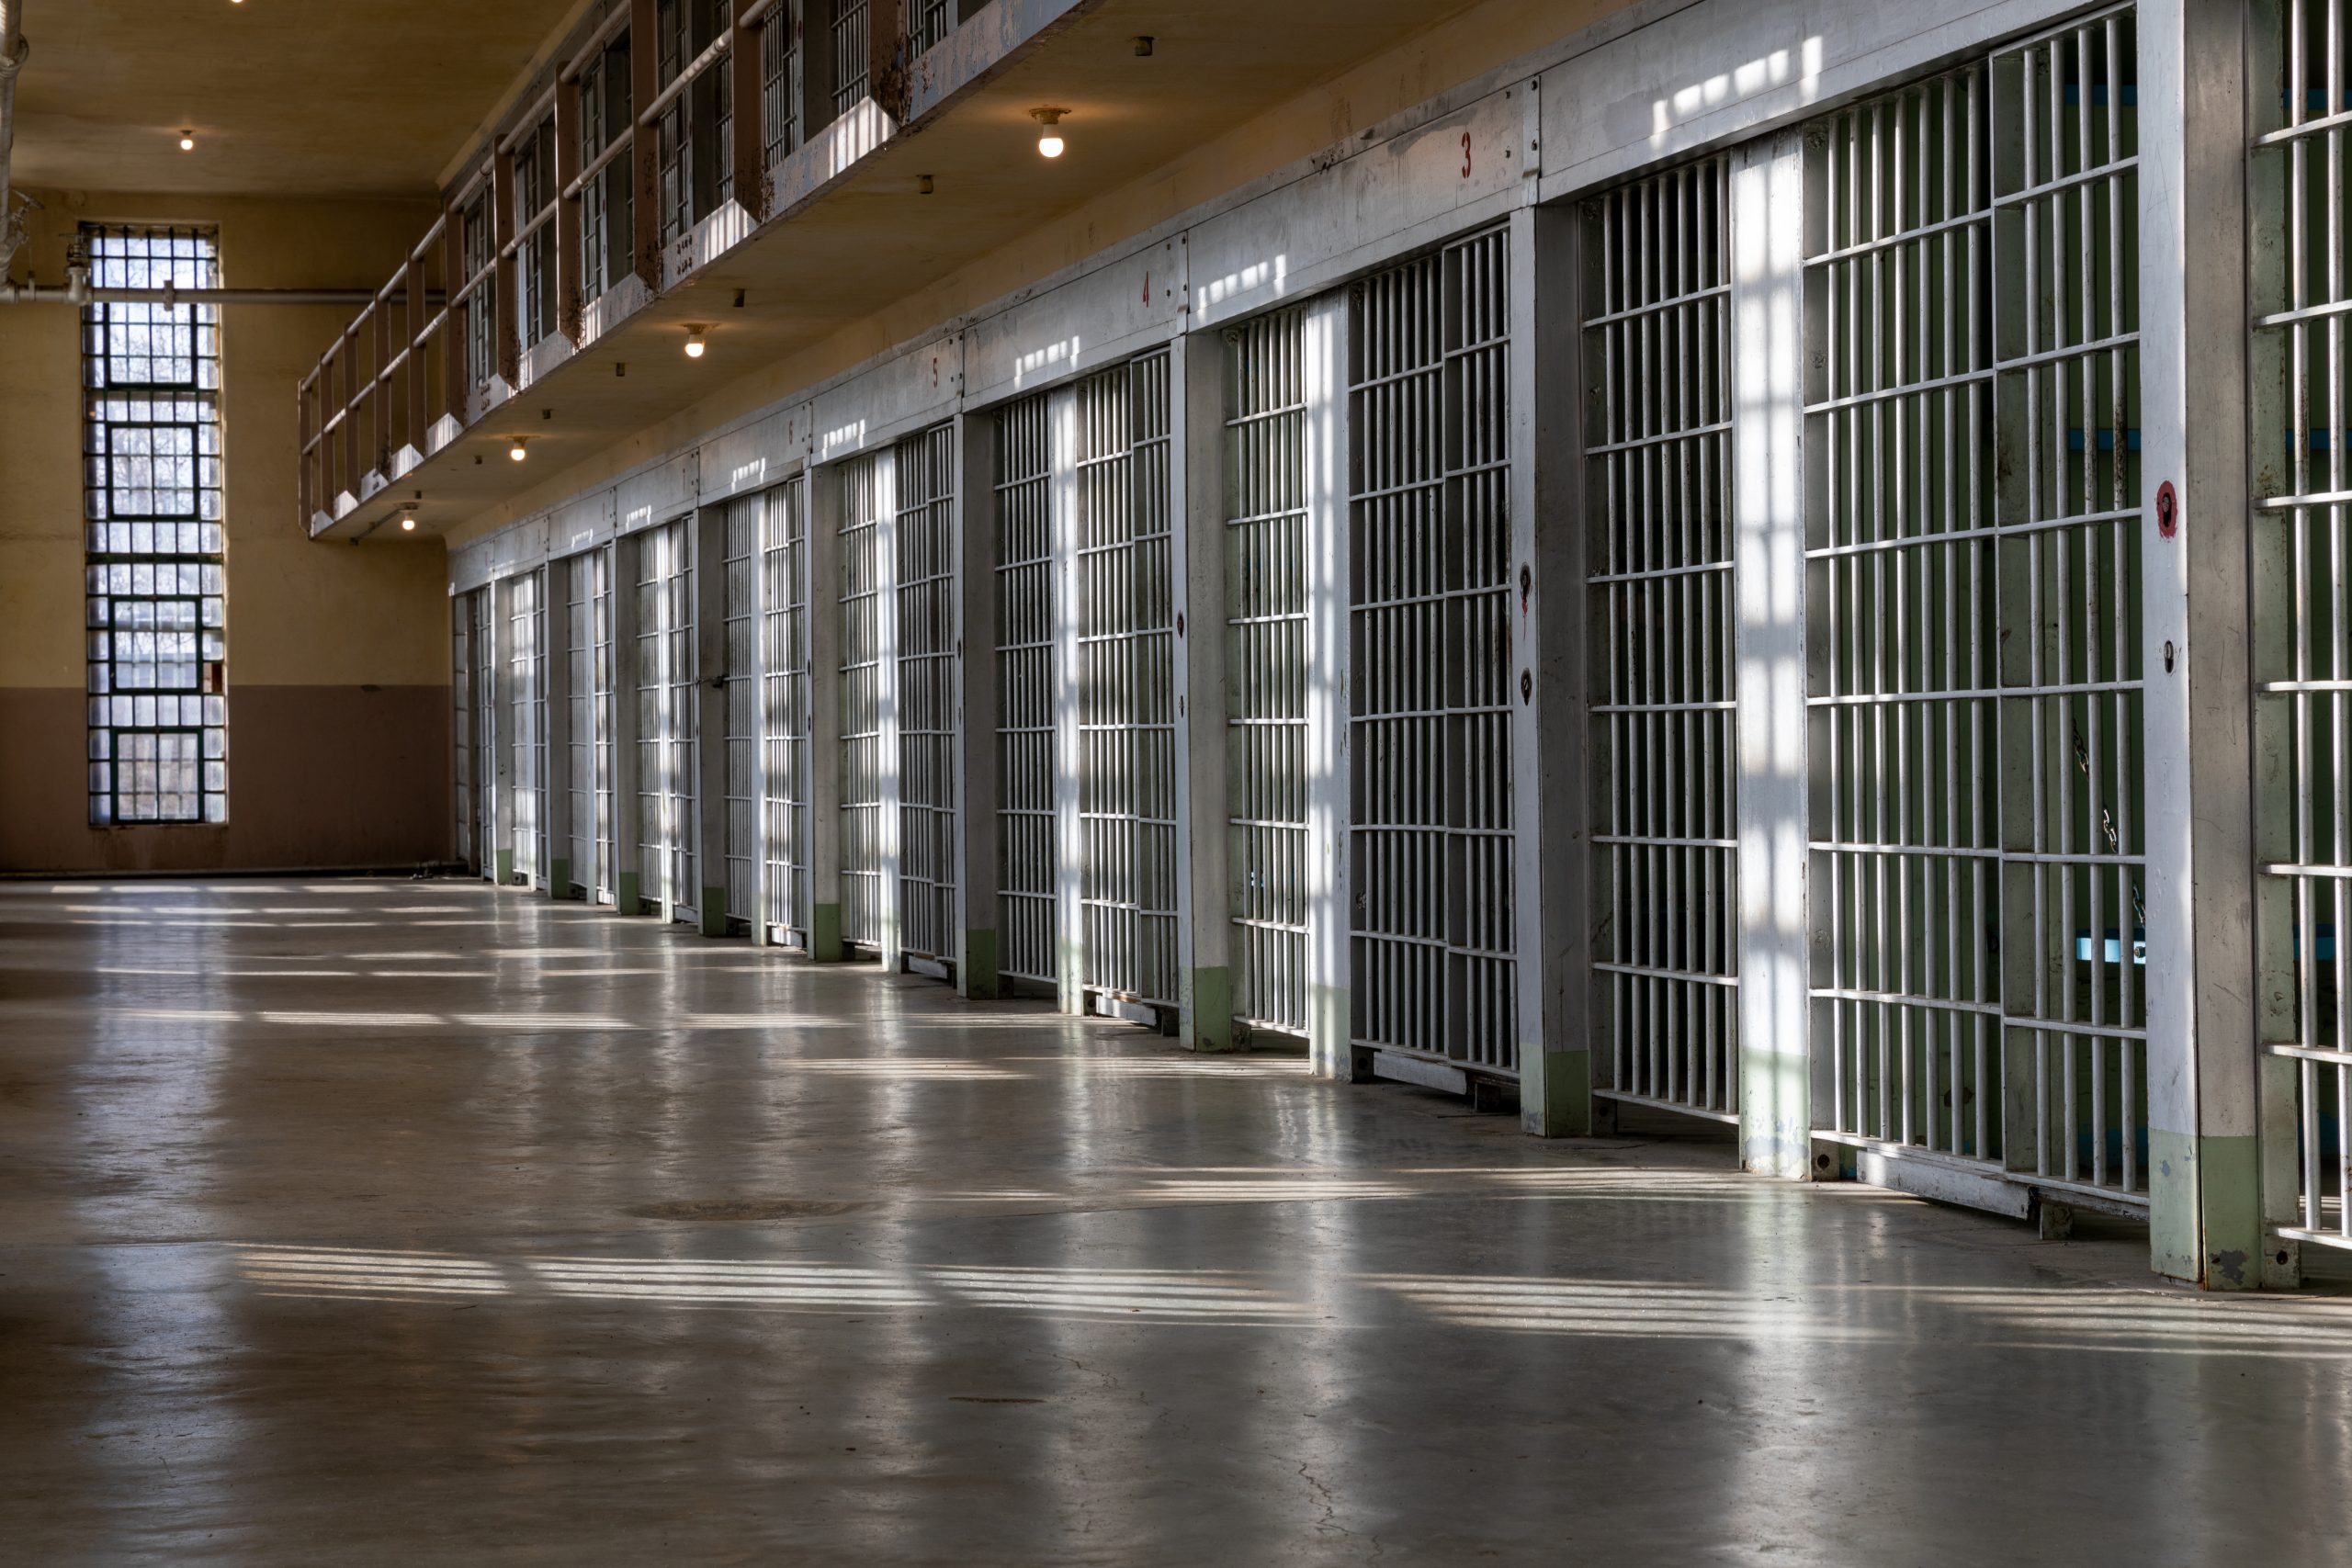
(332, 620)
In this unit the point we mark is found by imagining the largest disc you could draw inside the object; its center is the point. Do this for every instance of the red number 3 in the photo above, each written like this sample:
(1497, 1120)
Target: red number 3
(1465, 154)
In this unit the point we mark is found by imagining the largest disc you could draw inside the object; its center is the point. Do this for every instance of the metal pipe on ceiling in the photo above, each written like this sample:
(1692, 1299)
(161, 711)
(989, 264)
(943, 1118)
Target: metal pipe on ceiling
(80, 292)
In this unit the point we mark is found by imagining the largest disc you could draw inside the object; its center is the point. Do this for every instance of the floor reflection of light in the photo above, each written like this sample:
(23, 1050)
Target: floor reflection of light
(1635, 1310)
(184, 1015)
(789, 1284)
(542, 1020)
(1115, 1293)
(336, 1269)
(355, 1020)
(884, 1067)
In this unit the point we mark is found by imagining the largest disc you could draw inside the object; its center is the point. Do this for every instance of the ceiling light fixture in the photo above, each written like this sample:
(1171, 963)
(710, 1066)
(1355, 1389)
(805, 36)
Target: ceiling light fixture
(408, 522)
(1049, 139)
(516, 451)
(695, 342)
(188, 141)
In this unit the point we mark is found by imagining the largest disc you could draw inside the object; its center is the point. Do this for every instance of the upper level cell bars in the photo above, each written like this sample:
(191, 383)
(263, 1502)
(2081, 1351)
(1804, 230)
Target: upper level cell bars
(866, 500)
(781, 126)
(526, 719)
(925, 465)
(1430, 631)
(739, 703)
(695, 129)
(667, 726)
(928, 24)
(588, 771)
(1656, 369)
(2302, 623)
(784, 708)
(1126, 720)
(1905, 710)
(852, 52)
(1028, 868)
(607, 199)
(1266, 610)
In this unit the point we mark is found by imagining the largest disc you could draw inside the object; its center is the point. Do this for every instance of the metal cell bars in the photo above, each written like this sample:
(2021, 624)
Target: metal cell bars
(465, 841)
(1657, 442)
(481, 611)
(1126, 716)
(535, 267)
(527, 718)
(2066, 405)
(925, 469)
(478, 245)
(783, 706)
(928, 24)
(666, 716)
(695, 140)
(1028, 868)
(780, 89)
(588, 768)
(864, 494)
(2303, 642)
(851, 50)
(154, 568)
(1430, 629)
(741, 703)
(1265, 574)
(606, 200)
(1903, 594)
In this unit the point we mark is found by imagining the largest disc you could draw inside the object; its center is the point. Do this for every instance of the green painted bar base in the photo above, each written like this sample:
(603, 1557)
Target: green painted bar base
(1329, 1021)
(1556, 1100)
(1205, 1018)
(976, 972)
(713, 910)
(503, 868)
(560, 879)
(825, 933)
(625, 895)
(2205, 1209)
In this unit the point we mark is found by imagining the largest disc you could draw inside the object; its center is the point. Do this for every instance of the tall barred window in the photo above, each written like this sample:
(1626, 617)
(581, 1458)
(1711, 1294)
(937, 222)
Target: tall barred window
(150, 377)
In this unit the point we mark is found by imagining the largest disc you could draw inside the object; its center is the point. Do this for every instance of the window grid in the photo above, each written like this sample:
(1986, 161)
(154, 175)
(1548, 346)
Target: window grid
(155, 563)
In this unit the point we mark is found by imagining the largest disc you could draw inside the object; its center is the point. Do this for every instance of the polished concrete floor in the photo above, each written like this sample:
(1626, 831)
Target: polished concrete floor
(392, 1222)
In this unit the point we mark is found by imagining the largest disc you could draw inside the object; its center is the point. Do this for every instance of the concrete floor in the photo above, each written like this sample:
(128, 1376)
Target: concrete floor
(392, 1222)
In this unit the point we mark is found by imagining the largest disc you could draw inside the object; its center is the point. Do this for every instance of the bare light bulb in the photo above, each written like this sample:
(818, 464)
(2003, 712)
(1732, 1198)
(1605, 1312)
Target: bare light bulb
(695, 344)
(1049, 139)
(408, 523)
(516, 451)
(188, 141)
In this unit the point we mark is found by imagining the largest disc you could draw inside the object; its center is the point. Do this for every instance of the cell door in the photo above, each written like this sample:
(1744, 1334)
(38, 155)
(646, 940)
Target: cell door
(866, 497)
(667, 719)
(588, 762)
(481, 614)
(927, 673)
(1429, 753)
(1656, 364)
(1975, 590)
(1266, 608)
(527, 723)
(1028, 868)
(465, 842)
(1125, 612)
(2302, 621)
(784, 708)
(741, 705)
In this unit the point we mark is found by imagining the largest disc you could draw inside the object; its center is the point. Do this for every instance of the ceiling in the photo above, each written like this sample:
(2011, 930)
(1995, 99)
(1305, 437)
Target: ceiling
(312, 97)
